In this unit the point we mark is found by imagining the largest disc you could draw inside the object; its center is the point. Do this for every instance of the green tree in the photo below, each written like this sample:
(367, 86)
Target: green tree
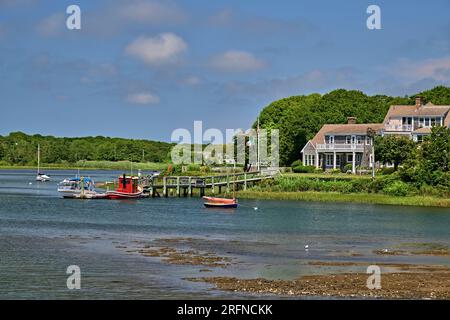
(393, 149)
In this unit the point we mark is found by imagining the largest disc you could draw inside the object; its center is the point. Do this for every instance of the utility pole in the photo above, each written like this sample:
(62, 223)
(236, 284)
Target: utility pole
(257, 146)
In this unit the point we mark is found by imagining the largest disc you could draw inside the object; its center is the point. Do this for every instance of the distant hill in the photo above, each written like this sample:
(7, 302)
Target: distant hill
(19, 148)
(300, 117)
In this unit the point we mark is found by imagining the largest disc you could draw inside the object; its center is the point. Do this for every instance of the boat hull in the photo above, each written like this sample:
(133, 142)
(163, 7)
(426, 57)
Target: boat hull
(42, 178)
(220, 205)
(219, 200)
(124, 195)
(86, 196)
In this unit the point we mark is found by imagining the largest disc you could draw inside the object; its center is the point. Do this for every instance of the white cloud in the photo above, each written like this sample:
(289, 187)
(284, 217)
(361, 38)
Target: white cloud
(142, 98)
(236, 61)
(436, 69)
(162, 49)
(52, 25)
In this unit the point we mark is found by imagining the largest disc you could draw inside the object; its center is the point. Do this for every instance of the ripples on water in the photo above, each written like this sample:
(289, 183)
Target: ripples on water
(41, 234)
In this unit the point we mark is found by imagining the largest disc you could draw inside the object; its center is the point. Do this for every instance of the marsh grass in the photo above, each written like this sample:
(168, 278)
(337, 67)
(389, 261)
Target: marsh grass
(347, 198)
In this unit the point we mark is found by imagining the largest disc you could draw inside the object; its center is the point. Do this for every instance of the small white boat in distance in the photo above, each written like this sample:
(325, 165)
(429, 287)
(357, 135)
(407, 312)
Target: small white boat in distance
(40, 176)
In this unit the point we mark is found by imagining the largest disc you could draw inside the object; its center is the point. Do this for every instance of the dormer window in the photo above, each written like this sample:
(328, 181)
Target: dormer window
(331, 139)
(348, 140)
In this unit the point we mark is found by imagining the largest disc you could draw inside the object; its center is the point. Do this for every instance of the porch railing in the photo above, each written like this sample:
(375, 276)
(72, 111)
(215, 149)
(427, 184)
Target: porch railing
(341, 147)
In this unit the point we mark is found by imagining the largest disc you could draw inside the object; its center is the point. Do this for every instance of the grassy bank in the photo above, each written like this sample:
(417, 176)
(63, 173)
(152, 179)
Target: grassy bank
(95, 165)
(349, 198)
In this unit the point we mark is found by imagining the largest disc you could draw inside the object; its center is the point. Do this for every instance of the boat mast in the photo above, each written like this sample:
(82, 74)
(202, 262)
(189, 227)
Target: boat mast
(39, 158)
(234, 184)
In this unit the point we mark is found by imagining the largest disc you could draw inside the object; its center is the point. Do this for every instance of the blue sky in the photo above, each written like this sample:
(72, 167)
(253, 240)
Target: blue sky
(140, 69)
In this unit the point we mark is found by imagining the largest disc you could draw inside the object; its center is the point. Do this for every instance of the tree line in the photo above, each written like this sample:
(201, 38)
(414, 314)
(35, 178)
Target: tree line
(299, 118)
(18, 148)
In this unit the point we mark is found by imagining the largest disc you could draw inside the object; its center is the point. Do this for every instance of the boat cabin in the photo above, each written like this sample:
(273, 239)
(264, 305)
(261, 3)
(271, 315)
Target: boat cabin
(128, 184)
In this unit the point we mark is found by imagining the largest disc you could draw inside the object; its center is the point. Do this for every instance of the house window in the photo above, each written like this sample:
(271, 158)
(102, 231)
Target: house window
(338, 160)
(421, 122)
(358, 139)
(419, 138)
(330, 139)
(406, 120)
(433, 122)
(349, 158)
(329, 160)
(310, 160)
(353, 139)
(427, 122)
(348, 140)
(367, 140)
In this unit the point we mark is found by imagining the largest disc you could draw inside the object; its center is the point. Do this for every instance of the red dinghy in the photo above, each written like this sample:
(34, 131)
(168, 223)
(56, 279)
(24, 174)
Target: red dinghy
(219, 200)
(128, 189)
(212, 202)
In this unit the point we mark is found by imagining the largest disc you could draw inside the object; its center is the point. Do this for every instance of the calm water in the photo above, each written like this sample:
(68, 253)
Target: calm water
(41, 234)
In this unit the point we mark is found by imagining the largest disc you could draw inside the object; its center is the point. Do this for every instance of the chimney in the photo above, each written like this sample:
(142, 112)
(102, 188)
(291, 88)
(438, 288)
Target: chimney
(419, 102)
(351, 120)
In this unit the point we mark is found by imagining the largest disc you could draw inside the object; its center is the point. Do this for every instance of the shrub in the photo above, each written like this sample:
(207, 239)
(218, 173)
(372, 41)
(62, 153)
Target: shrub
(348, 167)
(387, 170)
(335, 171)
(397, 188)
(193, 167)
(205, 169)
(360, 185)
(296, 163)
(303, 169)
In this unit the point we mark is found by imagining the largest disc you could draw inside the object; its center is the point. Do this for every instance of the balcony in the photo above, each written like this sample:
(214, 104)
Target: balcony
(398, 127)
(341, 147)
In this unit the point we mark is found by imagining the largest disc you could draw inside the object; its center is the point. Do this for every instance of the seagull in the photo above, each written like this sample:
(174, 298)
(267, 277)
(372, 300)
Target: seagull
(306, 247)
(255, 208)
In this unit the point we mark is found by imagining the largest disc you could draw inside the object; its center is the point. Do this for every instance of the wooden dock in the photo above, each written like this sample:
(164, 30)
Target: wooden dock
(183, 186)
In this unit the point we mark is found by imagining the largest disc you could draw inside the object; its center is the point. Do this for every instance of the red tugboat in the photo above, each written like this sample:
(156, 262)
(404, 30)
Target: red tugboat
(128, 188)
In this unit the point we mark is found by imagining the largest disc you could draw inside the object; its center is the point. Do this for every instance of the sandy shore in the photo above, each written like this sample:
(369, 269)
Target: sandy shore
(404, 285)
(398, 280)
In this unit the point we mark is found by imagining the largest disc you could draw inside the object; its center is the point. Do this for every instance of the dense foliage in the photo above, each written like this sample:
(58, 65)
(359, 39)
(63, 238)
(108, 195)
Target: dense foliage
(21, 149)
(298, 118)
(429, 163)
(393, 149)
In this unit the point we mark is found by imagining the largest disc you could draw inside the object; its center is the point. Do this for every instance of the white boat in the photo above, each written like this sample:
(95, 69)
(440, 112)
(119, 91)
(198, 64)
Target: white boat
(40, 176)
(77, 188)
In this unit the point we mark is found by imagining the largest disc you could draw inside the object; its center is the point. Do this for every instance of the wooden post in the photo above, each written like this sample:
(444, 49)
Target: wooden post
(212, 184)
(190, 186)
(228, 183)
(165, 186)
(245, 181)
(178, 186)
